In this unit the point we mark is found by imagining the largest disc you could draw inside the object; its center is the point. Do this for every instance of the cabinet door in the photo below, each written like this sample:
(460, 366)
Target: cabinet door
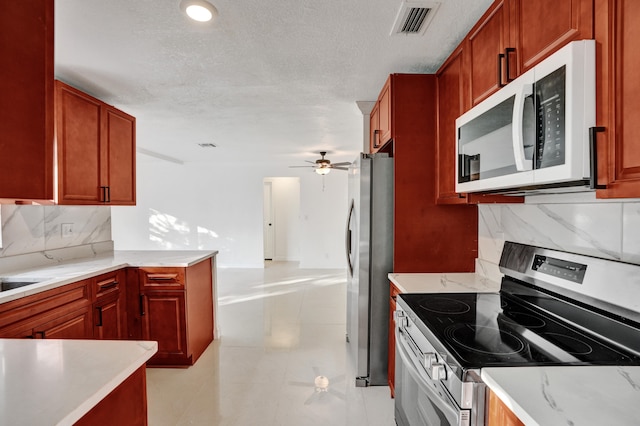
(74, 325)
(618, 97)
(26, 104)
(450, 80)
(109, 319)
(164, 321)
(78, 129)
(374, 129)
(489, 39)
(543, 26)
(385, 112)
(119, 175)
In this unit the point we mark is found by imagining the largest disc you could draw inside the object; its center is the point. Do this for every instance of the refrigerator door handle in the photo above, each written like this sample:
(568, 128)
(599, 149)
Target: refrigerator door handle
(348, 238)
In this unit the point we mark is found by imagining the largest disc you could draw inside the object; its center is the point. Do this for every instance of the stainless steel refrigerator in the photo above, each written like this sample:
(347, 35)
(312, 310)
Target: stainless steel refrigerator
(369, 244)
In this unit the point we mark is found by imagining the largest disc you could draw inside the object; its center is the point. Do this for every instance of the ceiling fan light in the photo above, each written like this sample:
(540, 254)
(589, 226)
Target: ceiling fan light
(323, 170)
(199, 10)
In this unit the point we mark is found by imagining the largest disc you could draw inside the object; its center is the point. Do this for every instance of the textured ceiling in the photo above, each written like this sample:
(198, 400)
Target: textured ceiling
(267, 80)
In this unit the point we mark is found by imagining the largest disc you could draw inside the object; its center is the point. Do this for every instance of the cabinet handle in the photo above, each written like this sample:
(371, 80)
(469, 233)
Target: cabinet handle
(376, 138)
(162, 277)
(106, 194)
(593, 148)
(507, 51)
(142, 304)
(500, 58)
(111, 284)
(99, 309)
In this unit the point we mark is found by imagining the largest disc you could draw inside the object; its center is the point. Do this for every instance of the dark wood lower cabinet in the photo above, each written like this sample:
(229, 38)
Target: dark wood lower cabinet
(60, 313)
(74, 325)
(108, 319)
(164, 321)
(125, 405)
(176, 310)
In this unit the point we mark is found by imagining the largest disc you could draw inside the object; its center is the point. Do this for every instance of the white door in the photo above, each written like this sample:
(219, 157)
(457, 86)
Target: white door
(268, 224)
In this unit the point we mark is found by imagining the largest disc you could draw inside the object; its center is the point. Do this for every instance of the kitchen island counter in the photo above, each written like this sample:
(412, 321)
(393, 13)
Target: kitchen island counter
(459, 282)
(57, 382)
(568, 395)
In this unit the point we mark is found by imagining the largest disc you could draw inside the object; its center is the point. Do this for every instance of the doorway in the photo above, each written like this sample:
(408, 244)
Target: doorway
(281, 219)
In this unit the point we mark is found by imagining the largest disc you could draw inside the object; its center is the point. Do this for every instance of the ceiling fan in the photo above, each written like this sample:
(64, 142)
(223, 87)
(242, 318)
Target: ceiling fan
(323, 166)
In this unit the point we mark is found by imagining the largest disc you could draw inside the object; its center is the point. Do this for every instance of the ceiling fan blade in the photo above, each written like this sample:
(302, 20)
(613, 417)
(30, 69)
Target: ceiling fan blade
(340, 168)
(312, 162)
(345, 163)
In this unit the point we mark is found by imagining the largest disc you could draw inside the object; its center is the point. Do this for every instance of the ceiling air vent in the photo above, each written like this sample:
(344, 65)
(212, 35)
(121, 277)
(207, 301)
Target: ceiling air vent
(414, 17)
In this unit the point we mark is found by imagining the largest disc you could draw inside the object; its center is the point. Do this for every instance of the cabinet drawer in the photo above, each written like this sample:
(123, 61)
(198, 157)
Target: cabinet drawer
(108, 284)
(161, 278)
(75, 294)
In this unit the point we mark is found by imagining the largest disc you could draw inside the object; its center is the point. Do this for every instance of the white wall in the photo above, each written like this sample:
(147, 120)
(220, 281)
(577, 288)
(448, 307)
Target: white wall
(198, 206)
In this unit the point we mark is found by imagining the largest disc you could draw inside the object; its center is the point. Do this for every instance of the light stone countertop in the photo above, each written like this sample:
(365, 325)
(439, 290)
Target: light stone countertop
(49, 277)
(572, 395)
(459, 282)
(56, 382)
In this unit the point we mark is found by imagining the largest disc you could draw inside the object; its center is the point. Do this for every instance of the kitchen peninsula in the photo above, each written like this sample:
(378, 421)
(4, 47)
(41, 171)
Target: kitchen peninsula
(65, 382)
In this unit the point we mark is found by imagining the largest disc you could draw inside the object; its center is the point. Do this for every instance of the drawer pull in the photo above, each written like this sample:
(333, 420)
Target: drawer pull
(109, 285)
(162, 277)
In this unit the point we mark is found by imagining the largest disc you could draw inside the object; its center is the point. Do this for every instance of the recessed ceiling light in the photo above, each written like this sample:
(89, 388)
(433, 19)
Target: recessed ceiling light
(199, 10)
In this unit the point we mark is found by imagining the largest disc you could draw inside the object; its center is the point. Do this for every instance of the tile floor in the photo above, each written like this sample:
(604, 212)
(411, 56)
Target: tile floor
(282, 328)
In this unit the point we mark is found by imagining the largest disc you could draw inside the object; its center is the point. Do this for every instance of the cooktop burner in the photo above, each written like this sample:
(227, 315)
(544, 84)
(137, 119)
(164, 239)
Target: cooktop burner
(498, 329)
(445, 305)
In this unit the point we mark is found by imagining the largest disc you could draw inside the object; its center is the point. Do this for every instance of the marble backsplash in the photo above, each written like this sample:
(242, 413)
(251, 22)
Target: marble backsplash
(32, 235)
(608, 230)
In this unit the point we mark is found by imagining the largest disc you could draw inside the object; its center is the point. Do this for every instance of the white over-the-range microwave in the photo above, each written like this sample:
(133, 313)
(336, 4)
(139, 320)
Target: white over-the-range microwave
(535, 134)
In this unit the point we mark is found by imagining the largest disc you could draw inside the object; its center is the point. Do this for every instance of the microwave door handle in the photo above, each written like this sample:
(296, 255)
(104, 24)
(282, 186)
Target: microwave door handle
(522, 164)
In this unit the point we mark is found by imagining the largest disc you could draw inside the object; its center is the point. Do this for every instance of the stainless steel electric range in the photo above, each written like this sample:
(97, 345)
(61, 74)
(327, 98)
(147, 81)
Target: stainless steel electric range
(554, 308)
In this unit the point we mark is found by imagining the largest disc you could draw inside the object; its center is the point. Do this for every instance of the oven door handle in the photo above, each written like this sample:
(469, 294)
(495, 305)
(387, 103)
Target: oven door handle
(449, 407)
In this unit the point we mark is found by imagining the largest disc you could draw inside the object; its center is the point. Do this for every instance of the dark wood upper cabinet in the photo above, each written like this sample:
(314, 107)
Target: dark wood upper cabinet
(26, 104)
(94, 142)
(381, 119)
(617, 30)
(543, 26)
(96, 150)
(450, 107)
(486, 45)
(514, 35)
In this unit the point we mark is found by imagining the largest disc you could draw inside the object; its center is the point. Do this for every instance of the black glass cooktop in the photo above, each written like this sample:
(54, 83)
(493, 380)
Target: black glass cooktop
(498, 329)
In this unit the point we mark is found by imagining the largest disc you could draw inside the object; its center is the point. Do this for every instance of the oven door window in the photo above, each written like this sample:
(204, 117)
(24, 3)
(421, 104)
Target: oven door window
(419, 400)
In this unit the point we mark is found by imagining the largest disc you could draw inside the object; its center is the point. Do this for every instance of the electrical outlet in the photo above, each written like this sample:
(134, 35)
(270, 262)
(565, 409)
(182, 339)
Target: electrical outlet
(67, 230)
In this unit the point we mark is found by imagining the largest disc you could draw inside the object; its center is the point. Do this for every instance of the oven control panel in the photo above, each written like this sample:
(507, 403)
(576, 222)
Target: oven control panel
(564, 269)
